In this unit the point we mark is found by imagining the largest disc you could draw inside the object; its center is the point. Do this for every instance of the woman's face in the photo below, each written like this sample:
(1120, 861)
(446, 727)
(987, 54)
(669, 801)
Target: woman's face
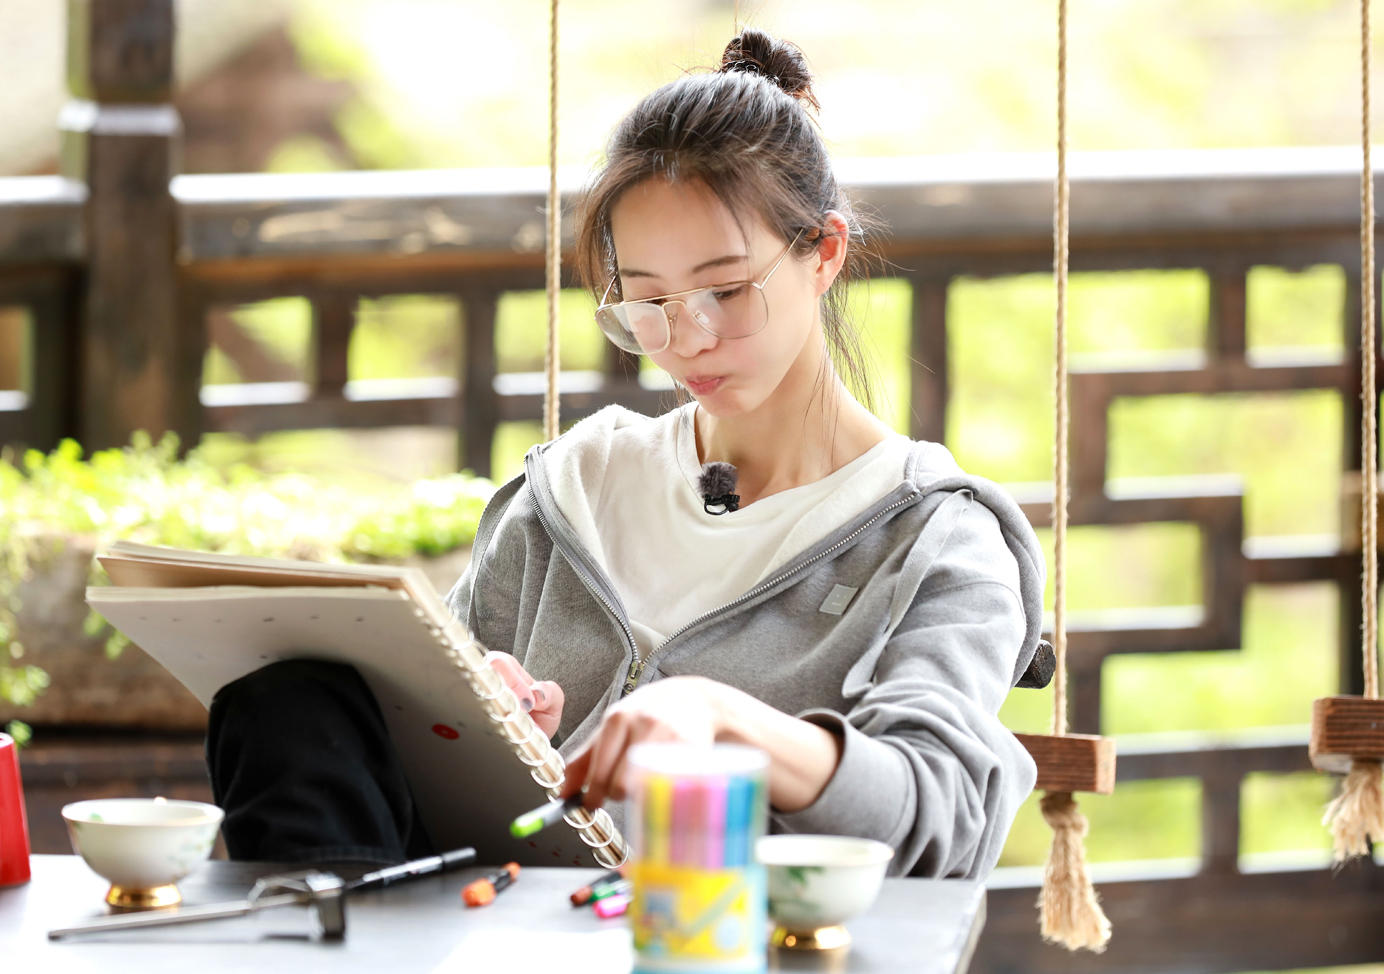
(677, 236)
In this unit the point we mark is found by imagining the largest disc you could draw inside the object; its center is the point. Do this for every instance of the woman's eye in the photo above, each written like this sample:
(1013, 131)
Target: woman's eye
(729, 293)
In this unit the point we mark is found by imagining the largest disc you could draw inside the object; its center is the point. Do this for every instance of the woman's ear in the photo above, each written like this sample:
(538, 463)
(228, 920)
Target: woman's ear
(831, 250)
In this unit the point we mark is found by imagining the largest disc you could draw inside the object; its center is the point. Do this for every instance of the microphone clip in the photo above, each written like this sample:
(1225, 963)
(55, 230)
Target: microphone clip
(717, 486)
(725, 502)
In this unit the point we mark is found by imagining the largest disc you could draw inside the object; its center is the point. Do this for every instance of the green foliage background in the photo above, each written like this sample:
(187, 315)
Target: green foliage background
(144, 493)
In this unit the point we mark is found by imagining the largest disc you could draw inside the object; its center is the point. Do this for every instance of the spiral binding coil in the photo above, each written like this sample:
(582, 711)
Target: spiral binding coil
(529, 743)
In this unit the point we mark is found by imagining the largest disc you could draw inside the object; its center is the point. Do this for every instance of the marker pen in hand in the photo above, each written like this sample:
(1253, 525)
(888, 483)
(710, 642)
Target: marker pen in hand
(543, 816)
(483, 891)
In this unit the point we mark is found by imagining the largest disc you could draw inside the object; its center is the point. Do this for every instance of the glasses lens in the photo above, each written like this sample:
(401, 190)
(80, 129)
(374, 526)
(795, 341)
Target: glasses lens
(635, 327)
(733, 311)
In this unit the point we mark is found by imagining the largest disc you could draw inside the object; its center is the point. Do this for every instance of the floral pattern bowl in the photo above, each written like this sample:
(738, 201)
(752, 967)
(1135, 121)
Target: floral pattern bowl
(142, 845)
(817, 883)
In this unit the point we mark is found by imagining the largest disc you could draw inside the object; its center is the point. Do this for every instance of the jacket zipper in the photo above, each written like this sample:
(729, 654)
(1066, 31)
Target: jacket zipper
(635, 663)
(637, 666)
(632, 677)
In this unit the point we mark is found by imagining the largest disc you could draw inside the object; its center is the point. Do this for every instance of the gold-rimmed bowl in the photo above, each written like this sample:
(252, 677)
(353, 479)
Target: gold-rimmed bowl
(817, 883)
(143, 846)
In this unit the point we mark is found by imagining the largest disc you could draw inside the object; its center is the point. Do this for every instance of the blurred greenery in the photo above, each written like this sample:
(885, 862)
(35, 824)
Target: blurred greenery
(20, 731)
(145, 493)
(893, 78)
(405, 336)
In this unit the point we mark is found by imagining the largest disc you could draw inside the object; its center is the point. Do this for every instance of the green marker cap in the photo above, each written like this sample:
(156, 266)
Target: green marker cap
(542, 817)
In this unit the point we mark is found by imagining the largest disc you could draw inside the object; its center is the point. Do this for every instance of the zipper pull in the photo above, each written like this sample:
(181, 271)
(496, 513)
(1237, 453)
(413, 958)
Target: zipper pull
(632, 677)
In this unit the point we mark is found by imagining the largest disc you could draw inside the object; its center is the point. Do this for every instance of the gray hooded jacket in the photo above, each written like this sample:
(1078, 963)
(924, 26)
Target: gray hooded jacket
(947, 577)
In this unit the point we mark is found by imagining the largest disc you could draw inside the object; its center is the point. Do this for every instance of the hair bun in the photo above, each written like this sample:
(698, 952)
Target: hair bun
(782, 62)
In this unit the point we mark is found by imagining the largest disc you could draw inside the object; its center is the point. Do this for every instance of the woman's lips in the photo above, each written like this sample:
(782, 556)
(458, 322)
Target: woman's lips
(701, 385)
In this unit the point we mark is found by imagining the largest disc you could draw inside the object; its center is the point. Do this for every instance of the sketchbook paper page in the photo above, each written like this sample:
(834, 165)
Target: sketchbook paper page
(131, 564)
(468, 784)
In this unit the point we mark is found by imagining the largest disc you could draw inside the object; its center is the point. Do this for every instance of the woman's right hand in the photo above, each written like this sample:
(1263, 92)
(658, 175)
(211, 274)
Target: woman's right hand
(542, 699)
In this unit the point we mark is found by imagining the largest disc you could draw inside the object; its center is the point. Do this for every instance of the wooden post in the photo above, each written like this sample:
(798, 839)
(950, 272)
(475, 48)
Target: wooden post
(120, 136)
(1084, 693)
(928, 360)
(48, 295)
(1226, 325)
(333, 320)
(478, 416)
(1220, 821)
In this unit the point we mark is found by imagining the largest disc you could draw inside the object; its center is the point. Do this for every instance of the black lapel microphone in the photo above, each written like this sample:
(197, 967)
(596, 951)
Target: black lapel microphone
(717, 484)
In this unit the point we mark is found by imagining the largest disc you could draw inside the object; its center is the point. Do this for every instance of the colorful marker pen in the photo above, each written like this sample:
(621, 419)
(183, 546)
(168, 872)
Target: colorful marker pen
(607, 890)
(714, 852)
(582, 896)
(612, 906)
(483, 891)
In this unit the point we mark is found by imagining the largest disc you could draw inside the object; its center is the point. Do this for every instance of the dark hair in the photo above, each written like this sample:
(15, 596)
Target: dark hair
(745, 133)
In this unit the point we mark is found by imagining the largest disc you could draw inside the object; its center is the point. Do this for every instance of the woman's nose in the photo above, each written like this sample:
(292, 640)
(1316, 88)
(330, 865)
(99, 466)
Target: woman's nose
(688, 337)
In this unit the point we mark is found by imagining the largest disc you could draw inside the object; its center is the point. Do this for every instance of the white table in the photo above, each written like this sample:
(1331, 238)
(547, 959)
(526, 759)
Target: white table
(917, 926)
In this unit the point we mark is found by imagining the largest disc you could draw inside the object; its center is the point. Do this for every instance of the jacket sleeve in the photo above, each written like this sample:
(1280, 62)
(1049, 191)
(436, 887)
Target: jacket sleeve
(480, 599)
(943, 776)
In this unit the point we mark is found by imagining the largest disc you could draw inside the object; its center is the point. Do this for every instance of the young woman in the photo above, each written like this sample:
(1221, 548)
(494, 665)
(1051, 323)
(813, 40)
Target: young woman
(865, 609)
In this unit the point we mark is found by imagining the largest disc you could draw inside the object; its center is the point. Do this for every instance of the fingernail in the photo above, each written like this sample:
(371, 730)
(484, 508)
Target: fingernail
(542, 697)
(526, 703)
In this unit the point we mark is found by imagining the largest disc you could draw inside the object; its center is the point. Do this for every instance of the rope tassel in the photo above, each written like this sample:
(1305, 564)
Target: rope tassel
(1356, 815)
(1069, 911)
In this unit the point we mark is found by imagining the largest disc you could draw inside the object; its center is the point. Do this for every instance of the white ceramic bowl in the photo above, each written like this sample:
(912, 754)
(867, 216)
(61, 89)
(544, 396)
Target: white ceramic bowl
(818, 881)
(142, 844)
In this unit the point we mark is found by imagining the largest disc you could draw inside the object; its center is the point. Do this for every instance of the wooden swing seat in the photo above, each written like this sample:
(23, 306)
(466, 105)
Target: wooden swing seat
(1072, 762)
(1344, 728)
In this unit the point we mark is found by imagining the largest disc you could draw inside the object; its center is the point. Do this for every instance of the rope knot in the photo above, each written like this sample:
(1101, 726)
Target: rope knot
(1062, 813)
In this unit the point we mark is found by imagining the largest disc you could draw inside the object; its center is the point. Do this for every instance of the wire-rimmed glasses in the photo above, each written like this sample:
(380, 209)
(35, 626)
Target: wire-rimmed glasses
(734, 310)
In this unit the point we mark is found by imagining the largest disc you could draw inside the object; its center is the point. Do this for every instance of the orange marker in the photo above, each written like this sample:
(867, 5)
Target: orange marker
(484, 890)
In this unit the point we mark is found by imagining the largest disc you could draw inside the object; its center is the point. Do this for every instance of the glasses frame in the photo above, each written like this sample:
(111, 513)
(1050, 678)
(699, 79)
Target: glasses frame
(661, 302)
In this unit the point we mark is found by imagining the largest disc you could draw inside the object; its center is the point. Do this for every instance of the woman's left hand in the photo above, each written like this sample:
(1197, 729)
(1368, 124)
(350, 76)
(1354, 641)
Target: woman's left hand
(686, 709)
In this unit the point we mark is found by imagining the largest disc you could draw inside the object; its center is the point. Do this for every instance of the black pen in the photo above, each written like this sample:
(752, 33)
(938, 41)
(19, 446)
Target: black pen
(444, 863)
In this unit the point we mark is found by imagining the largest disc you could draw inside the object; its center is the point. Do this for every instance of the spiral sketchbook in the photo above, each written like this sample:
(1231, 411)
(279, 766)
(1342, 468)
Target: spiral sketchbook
(474, 758)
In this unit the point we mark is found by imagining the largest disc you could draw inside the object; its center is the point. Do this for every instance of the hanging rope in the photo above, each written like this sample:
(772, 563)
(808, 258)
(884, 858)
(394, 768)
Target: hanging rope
(552, 359)
(1061, 217)
(1068, 911)
(1357, 814)
(1370, 434)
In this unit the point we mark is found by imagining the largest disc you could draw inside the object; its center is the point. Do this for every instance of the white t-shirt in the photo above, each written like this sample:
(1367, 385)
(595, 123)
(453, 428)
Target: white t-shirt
(641, 517)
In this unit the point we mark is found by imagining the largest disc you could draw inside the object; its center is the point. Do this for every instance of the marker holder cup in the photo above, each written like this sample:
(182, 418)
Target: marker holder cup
(699, 898)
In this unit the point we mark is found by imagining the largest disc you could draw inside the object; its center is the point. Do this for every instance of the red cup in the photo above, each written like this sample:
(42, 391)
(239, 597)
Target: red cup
(14, 826)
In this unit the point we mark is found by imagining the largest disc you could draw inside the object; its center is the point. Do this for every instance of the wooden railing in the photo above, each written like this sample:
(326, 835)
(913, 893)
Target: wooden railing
(121, 267)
